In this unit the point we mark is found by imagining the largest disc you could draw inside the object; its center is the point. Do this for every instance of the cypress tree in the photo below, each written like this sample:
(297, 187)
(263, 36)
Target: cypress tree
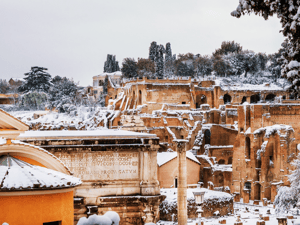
(111, 65)
(153, 51)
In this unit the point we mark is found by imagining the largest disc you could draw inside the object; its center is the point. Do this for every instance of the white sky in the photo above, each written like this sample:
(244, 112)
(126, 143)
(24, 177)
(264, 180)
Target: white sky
(72, 38)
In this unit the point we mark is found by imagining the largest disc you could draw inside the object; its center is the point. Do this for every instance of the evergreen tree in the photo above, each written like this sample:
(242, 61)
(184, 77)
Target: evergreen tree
(159, 61)
(169, 62)
(62, 94)
(129, 68)
(145, 67)
(203, 65)
(220, 66)
(111, 65)
(184, 70)
(228, 47)
(152, 51)
(261, 60)
(36, 80)
(4, 86)
(287, 12)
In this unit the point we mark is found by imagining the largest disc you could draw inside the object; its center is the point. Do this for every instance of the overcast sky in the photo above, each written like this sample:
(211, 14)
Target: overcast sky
(72, 38)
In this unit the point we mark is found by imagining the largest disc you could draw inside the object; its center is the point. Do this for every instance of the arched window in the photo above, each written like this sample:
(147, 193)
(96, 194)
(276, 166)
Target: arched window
(244, 99)
(230, 160)
(227, 99)
(254, 99)
(207, 136)
(221, 162)
(248, 147)
(247, 186)
(140, 97)
(270, 97)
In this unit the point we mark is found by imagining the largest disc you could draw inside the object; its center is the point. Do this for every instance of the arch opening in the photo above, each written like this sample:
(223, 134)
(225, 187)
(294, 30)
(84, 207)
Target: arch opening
(227, 99)
(254, 99)
(270, 97)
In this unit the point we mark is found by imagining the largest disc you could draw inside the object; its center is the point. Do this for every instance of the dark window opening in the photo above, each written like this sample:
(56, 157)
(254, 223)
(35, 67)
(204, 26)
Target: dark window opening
(221, 162)
(270, 97)
(183, 103)
(248, 147)
(248, 185)
(244, 99)
(207, 136)
(116, 97)
(176, 182)
(227, 99)
(167, 138)
(53, 223)
(254, 99)
(292, 96)
(230, 160)
(284, 97)
(181, 137)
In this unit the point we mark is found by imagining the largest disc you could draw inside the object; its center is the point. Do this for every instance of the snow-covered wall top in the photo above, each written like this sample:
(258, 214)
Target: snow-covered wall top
(269, 130)
(108, 133)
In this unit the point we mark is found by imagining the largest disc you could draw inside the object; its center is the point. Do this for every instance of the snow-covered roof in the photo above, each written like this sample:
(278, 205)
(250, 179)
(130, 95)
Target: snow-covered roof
(108, 133)
(17, 175)
(164, 157)
(117, 73)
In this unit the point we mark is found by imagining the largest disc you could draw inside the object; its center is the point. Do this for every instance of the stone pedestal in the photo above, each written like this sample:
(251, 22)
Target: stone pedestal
(256, 202)
(237, 197)
(246, 196)
(182, 182)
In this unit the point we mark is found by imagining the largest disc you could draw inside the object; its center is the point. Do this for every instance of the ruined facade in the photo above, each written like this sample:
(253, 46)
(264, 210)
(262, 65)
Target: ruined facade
(219, 122)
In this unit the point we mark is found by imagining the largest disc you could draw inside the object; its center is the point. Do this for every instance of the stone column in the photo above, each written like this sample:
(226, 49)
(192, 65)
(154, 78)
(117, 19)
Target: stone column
(182, 182)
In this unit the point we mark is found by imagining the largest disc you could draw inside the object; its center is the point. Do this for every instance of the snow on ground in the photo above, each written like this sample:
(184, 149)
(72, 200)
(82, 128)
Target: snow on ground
(249, 213)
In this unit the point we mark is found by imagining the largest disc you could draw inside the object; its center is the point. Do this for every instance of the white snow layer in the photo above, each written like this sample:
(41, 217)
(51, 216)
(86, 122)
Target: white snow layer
(18, 175)
(164, 157)
(83, 133)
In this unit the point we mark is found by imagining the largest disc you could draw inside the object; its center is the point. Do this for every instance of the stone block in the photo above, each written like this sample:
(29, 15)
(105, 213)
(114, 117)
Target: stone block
(222, 221)
(260, 222)
(238, 223)
(256, 202)
(290, 217)
(266, 218)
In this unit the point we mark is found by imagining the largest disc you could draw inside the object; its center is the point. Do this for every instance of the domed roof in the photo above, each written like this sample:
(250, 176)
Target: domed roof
(17, 175)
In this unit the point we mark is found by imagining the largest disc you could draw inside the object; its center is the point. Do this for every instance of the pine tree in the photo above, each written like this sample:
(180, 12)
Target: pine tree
(287, 12)
(228, 47)
(36, 80)
(129, 68)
